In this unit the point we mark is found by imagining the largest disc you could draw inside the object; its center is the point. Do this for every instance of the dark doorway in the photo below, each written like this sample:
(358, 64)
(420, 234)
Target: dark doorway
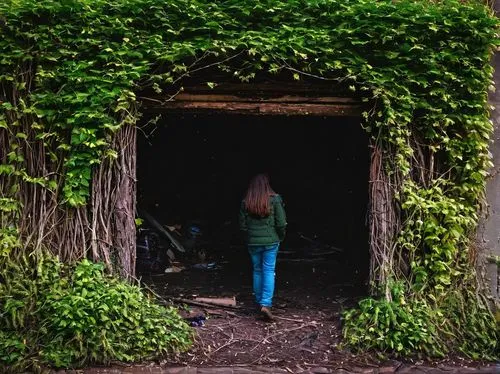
(195, 168)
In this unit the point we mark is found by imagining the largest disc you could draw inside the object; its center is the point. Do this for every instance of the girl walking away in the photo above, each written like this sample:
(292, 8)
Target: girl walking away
(262, 218)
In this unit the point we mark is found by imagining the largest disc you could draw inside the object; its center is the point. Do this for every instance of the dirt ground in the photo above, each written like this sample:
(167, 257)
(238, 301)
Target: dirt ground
(308, 300)
(310, 295)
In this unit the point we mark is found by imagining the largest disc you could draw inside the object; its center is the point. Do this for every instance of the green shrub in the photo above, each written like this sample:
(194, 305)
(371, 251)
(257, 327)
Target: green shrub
(401, 327)
(12, 348)
(412, 325)
(64, 316)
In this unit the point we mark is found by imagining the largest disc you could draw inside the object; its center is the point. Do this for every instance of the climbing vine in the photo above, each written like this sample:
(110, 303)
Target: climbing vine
(71, 73)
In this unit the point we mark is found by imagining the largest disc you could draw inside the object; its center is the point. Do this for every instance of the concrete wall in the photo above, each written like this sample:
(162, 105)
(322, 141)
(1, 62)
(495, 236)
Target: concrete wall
(489, 230)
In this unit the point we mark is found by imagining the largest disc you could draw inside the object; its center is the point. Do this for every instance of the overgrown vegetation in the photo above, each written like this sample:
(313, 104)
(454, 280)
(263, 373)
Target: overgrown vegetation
(60, 316)
(70, 71)
(412, 324)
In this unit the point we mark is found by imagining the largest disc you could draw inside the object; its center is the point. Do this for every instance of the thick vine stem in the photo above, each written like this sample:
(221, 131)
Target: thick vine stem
(113, 206)
(384, 223)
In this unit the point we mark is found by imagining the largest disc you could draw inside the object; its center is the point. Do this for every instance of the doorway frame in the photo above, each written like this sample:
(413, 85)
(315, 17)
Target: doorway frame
(287, 99)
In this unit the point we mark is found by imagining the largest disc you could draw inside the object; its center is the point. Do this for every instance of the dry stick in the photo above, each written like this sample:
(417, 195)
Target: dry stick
(289, 319)
(230, 341)
(223, 346)
(206, 66)
(224, 333)
(281, 332)
(170, 98)
(240, 339)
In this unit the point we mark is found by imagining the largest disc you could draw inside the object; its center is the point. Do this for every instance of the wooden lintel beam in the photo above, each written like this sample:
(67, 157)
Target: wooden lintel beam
(259, 108)
(278, 99)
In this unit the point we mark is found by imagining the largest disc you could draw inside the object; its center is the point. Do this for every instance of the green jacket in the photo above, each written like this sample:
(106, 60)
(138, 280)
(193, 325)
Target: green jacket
(264, 230)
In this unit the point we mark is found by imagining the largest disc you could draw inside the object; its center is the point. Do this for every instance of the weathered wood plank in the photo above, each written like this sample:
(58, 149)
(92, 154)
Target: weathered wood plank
(279, 99)
(258, 108)
(219, 301)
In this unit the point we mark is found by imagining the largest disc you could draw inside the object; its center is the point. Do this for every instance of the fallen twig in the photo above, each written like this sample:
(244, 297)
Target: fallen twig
(289, 319)
(223, 332)
(282, 332)
(231, 341)
(216, 312)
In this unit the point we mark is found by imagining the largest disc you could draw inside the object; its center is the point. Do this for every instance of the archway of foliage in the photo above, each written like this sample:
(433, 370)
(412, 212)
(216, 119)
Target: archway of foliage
(69, 71)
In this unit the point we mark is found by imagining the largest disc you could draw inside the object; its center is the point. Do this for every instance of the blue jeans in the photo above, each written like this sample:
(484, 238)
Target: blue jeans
(264, 262)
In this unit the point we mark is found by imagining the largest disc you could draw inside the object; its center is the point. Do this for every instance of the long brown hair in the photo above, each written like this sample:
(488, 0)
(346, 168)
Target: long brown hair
(257, 197)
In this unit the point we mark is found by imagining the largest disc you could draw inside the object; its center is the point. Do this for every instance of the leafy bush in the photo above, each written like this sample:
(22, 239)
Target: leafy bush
(479, 336)
(62, 317)
(12, 348)
(397, 326)
(411, 325)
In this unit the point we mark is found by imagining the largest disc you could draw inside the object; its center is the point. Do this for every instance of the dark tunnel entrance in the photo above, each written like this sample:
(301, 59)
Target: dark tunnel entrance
(193, 171)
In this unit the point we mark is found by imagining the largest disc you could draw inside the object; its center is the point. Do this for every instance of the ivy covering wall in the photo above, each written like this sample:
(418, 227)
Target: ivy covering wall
(70, 71)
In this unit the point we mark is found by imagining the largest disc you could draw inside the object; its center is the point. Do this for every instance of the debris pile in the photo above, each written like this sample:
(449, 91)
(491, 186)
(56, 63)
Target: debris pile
(175, 247)
(170, 248)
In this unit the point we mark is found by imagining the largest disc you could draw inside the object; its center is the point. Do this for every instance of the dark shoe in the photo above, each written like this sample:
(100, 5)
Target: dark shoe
(266, 314)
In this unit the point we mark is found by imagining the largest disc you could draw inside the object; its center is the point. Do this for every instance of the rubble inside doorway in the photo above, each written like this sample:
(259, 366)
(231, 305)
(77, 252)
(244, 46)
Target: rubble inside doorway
(172, 248)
